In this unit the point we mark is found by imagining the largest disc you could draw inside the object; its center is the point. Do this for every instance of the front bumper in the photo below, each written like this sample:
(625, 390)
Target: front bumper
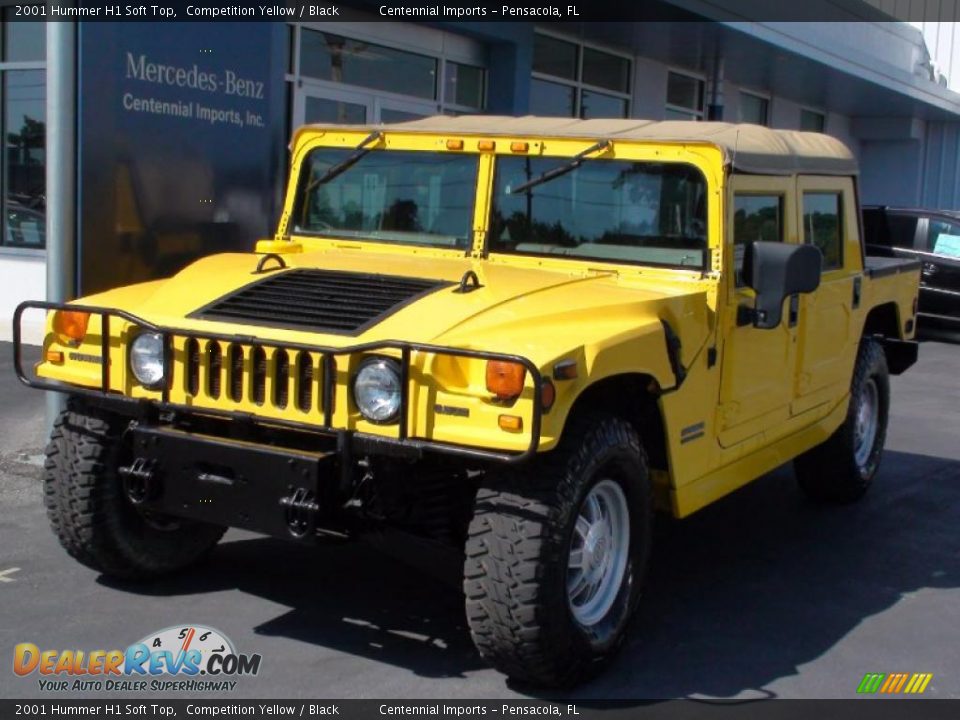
(320, 418)
(276, 491)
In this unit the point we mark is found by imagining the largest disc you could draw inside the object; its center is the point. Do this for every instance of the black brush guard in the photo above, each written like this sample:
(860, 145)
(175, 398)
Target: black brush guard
(402, 440)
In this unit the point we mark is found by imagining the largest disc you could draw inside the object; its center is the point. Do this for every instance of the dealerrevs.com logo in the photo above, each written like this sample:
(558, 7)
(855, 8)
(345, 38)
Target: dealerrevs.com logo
(183, 657)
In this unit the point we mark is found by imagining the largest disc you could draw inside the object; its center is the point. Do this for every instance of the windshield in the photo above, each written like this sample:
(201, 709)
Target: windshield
(416, 198)
(613, 210)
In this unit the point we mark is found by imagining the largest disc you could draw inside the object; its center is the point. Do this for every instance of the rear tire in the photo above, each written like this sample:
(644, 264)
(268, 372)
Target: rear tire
(90, 513)
(841, 469)
(556, 554)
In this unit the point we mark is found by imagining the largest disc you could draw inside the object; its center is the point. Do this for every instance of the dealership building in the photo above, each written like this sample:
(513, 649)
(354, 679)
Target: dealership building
(132, 148)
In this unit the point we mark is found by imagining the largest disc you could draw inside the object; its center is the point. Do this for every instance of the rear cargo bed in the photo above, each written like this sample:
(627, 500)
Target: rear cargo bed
(876, 266)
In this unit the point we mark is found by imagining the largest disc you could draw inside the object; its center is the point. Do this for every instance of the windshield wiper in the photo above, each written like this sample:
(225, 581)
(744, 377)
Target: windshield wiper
(365, 146)
(575, 162)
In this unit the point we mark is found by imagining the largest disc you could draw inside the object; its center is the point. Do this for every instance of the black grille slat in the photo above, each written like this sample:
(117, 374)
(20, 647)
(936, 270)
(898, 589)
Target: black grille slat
(215, 356)
(278, 297)
(264, 318)
(379, 288)
(271, 307)
(236, 372)
(350, 278)
(304, 381)
(259, 363)
(281, 379)
(332, 300)
(192, 353)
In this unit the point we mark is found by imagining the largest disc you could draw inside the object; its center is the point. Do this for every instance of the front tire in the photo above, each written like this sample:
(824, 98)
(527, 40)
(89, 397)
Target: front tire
(841, 469)
(556, 554)
(90, 513)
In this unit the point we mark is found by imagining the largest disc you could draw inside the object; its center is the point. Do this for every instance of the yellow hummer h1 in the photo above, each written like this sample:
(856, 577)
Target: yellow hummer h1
(515, 335)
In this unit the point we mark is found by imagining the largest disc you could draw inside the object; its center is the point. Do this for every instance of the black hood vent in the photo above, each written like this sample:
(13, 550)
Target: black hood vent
(328, 301)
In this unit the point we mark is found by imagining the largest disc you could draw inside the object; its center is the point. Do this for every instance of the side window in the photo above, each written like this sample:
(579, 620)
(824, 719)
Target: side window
(755, 217)
(943, 238)
(903, 230)
(821, 226)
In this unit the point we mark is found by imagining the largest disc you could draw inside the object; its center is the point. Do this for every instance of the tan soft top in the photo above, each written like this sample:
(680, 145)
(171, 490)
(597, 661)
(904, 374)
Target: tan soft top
(749, 148)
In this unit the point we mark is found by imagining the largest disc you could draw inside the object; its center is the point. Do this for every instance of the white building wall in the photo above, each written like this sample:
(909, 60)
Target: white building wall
(22, 277)
(943, 42)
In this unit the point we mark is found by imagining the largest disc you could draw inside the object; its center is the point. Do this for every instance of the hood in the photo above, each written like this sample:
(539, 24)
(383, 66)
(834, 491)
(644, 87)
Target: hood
(369, 297)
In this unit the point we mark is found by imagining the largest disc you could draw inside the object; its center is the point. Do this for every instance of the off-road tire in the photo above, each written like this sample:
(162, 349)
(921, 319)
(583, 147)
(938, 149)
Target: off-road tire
(517, 549)
(90, 514)
(830, 472)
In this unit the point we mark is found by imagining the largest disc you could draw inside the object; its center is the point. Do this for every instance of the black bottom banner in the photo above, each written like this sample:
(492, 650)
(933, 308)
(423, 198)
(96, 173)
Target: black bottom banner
(862, 709)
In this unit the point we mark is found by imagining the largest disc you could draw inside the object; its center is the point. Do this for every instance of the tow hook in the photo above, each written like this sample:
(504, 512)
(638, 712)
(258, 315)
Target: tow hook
(300, 509)
(139, 480)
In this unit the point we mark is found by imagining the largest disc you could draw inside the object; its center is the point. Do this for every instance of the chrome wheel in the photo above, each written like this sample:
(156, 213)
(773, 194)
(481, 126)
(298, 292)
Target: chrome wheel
(599, 549)
(865, 426)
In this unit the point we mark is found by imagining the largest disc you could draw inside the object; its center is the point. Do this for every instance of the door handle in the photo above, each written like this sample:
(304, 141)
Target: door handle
(929, 269)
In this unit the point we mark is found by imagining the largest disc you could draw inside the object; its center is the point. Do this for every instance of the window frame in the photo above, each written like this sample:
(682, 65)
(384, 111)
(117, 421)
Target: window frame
(577, 83)
(756, 96)
(699, 115)
(782, 197)
(817, 111)
(441, 50)
(745, 184)
(41, 65)
(490, 252)
(928, 246)
(304, 177)
(841, 223)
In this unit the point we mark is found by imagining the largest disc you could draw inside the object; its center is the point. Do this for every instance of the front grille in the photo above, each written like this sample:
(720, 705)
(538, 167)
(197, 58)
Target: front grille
(323, 300)
(265, 375)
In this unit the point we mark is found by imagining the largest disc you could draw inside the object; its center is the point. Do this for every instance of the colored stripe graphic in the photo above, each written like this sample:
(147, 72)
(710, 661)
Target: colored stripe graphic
(893, 683)
(918, 683)
(871, 682)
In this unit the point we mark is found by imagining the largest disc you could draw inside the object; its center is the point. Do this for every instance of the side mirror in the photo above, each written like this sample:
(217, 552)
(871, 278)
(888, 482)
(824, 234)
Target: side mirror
(775, 271)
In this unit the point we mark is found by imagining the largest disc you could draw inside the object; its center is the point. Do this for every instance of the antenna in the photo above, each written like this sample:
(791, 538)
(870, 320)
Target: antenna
(736, 145)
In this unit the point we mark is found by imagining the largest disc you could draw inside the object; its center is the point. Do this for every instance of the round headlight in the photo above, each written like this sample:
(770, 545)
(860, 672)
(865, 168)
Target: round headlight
(147, 358)
(376, 390)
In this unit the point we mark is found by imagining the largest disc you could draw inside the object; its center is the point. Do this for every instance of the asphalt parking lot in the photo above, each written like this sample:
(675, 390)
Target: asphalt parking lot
(761, 595)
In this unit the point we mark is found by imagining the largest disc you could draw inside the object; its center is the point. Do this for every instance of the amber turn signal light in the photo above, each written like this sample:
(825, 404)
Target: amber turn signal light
(71, 324)
(454, 144)
(505, 379)
(510, 423)
(486, 145)
(54, 356)
(519, 147)
(548, 395)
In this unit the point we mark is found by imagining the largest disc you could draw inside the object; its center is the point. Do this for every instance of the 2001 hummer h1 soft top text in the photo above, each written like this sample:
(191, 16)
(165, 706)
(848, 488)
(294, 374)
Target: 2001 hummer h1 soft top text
(515, 335)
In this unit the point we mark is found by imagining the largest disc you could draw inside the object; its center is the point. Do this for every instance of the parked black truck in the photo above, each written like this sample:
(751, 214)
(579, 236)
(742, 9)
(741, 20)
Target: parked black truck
(930, 236)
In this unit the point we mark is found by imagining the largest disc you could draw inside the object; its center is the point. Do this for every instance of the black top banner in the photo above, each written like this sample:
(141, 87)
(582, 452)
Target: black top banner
(545, 11)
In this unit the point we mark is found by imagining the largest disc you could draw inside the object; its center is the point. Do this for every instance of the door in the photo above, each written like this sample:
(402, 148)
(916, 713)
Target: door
(827, 218)
(939, 253)
(758, 366)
